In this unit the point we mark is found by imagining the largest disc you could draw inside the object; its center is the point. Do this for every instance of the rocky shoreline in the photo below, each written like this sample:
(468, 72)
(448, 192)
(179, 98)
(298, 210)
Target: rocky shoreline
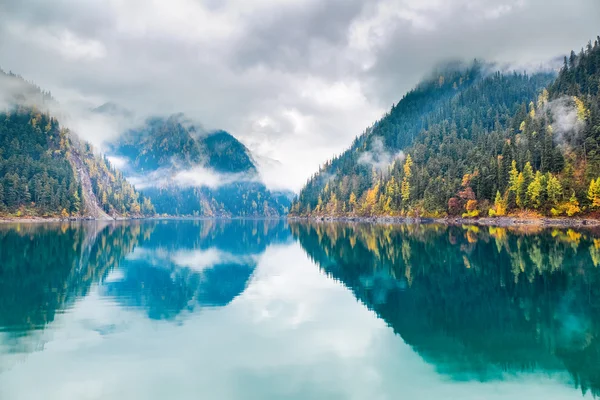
(499, 221)
(12, 220)
(8, 220)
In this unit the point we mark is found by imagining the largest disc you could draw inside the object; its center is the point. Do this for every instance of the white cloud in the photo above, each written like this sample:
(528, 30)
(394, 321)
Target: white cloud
(197, 260)
(378, 157)
(200, 260)
(567, 124)
(194, 177)
(295, 80)
(62, 41)
(118, 162)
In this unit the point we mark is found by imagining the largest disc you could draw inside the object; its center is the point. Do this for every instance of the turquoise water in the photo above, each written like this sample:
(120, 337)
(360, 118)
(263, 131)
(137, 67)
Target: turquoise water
(267, 310)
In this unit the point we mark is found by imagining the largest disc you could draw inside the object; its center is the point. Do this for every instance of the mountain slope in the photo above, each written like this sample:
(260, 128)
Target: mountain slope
(500, 143)
(443, 114)
(173, 143)
(46, 171)
(189, 172)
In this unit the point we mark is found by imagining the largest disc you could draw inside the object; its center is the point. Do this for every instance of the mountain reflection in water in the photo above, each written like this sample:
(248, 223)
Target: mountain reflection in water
(162, 267)
(475, 302)
(266, 309)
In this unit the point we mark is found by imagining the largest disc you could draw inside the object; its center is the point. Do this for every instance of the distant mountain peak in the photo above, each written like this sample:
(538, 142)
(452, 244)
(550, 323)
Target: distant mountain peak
(175, 142)
(113, 110)
(194, 172)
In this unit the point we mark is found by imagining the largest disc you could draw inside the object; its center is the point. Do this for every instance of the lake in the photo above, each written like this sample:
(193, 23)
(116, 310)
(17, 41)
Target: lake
(271, 310)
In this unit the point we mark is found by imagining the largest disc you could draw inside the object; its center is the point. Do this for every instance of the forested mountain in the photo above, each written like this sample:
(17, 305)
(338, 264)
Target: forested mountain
(186, 171)
(471, 142)
(46, 171)
(175, 143)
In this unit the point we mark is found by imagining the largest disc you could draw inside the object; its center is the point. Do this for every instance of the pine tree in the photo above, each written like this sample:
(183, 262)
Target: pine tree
(521, 191)
(513, 178)
(332, 205)
(147, 207)
(75, 202)
(24, 192)
(12, 187)
(370, 200)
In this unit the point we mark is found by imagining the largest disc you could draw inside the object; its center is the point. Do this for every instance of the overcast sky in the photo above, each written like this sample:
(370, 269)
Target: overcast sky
(295, 80)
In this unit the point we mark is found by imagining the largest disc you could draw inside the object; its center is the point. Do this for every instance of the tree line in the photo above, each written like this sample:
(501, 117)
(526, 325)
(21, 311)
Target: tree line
(38, 178)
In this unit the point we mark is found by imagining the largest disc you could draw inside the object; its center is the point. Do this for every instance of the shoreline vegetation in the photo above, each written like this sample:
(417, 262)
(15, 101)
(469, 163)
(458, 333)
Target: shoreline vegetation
(38, 219)
(507, 221)
(510, 221)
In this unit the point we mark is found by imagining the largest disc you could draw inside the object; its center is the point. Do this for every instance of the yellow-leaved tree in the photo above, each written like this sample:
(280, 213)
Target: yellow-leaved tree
(594, 193)
(368, 206)
(352, 202)
(405, 187)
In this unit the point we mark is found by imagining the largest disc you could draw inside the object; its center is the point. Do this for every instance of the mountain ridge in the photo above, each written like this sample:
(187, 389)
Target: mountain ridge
(502, 143)
(193, 172)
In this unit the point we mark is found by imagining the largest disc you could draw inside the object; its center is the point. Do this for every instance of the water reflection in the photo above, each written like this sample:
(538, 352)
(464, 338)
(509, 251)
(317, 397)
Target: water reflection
(186, 265)
(45, 268)
(156, 310)
(161, 267)
(477, 303)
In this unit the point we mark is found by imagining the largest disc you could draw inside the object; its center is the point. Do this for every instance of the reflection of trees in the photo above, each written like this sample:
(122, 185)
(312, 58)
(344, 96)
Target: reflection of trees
(234, 236)
(156, 280)
(474, 301)
(44, 268)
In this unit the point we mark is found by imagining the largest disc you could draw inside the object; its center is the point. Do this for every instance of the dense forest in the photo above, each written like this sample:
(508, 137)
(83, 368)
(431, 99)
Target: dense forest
(46, 171)
(476, 303)
(42, 172)
(175, 142)
(164, 150)
(35, 174)
(470, 142)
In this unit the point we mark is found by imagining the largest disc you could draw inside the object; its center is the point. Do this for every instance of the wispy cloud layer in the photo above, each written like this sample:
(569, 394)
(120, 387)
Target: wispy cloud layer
(378, 157)
(295, 80)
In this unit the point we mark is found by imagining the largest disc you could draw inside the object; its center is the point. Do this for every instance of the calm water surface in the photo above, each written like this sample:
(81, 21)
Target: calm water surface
(267, 310)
